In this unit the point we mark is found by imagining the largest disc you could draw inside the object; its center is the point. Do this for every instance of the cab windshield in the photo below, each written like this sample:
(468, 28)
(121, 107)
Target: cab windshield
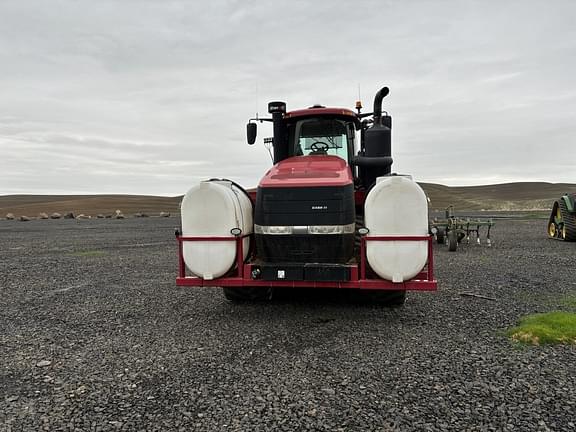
(322, 137)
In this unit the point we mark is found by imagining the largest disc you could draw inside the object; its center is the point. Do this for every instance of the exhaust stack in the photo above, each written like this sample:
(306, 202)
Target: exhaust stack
(376, 157)
(380, 94)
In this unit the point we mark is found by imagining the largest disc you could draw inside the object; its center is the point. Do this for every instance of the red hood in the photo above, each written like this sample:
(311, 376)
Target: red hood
(302, 171)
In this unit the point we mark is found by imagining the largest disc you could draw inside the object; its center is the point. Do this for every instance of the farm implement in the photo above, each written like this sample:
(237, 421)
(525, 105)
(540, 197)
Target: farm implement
(453, 230)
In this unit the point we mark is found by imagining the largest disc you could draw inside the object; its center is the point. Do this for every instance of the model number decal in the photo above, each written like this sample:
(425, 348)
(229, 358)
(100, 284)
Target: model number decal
(320, 207)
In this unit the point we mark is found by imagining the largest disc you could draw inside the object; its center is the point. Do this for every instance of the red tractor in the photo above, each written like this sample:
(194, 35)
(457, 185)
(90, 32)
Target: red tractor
(328, 214)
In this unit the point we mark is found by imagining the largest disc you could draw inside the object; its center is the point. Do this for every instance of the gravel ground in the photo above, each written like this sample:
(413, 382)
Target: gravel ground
(96, 336)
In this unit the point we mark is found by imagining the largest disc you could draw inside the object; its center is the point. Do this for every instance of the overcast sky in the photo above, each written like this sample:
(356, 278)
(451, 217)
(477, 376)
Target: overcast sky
(149, 97)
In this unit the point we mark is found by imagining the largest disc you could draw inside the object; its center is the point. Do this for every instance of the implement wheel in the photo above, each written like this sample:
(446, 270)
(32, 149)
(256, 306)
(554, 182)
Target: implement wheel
(440, 236)
(247, 294)
(452, 240)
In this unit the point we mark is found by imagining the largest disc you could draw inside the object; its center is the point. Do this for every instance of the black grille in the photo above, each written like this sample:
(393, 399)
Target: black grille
(305, 206)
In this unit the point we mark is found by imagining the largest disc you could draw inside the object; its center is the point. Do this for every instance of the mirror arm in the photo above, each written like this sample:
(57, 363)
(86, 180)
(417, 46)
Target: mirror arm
(260, 119)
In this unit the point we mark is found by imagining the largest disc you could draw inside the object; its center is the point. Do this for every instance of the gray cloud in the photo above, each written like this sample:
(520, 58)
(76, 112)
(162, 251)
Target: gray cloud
(149, 97)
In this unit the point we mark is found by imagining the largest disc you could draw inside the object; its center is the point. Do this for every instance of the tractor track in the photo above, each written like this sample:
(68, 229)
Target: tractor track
(569, 222)
(106, 341)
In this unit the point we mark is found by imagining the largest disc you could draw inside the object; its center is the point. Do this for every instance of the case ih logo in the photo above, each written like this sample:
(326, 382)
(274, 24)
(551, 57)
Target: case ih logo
(319, 207)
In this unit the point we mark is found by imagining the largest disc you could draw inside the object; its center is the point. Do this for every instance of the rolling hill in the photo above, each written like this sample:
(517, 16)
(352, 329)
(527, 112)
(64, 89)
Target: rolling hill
(499, 197)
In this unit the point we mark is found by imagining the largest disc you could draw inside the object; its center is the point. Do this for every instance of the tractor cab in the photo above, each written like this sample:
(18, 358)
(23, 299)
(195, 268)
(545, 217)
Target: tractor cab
(321, 131)
(315, 132)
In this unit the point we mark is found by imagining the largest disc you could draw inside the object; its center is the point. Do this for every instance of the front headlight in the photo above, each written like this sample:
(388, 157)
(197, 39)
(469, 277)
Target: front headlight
(273, 229)
(331, 229)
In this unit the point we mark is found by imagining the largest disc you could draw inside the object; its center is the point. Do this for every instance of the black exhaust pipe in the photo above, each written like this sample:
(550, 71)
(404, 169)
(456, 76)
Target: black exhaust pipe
(380, 94)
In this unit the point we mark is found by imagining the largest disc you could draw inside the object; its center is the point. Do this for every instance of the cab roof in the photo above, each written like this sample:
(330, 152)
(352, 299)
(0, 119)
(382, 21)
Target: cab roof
(318, 111)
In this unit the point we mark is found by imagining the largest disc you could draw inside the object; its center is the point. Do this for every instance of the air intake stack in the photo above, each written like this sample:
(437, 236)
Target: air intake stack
(278, 109)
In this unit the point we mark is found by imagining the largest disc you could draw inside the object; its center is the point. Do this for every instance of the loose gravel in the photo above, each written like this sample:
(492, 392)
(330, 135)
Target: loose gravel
(96, 336)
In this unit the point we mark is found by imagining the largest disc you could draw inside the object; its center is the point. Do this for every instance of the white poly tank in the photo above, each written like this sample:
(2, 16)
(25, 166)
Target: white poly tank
(396, 206)
(213, 208)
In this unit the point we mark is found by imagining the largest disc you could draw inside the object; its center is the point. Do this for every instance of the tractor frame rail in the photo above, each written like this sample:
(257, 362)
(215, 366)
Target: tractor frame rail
(359, 275)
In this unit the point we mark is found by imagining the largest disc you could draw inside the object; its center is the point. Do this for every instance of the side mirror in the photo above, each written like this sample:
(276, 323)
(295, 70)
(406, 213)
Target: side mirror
(251, 129)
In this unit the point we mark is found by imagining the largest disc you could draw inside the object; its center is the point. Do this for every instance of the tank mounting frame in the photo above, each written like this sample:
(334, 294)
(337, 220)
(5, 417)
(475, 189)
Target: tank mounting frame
(243, 273)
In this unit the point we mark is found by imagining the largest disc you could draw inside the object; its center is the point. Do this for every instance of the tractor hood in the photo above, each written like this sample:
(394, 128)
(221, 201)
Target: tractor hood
(308, 171)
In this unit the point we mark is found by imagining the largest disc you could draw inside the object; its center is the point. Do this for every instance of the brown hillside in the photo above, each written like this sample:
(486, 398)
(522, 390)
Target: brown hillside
(507, 197)
(32, 205)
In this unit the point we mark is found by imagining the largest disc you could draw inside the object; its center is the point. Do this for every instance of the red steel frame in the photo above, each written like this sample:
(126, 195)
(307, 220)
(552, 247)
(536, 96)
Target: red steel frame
(424, 281)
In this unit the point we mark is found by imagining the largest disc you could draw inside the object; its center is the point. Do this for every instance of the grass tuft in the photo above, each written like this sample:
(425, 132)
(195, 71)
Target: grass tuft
(546, 329)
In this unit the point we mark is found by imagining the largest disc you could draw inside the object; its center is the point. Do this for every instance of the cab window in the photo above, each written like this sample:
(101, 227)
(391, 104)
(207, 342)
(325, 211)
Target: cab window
(321, 137)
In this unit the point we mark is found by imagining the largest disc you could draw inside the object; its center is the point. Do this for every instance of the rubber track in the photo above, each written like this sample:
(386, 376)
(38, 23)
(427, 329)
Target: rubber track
(569, 220)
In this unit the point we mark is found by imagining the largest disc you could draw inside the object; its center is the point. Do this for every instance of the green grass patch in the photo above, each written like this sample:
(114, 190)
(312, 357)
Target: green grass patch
(94, 253)
(546, 329)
